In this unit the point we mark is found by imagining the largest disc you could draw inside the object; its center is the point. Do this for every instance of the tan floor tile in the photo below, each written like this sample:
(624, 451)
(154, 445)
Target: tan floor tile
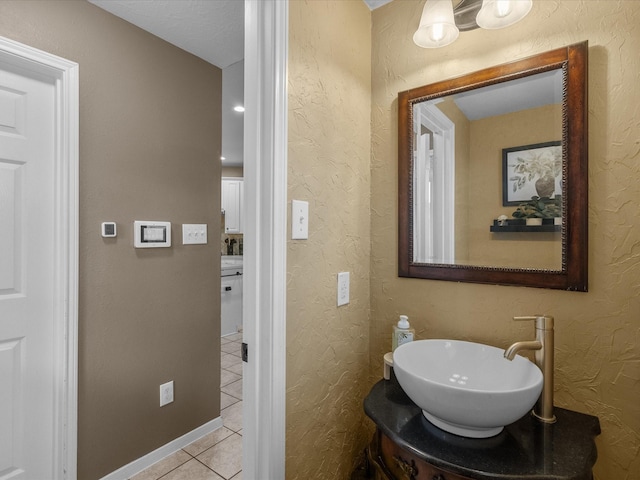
(163, 466)
(192, 470)
(233, 348)
(209, 440)
(238, 355)
(237, 369)
(237, 337)
(227, 377)
(225, 458)
(232, 417)
(234, 389)
(238, 476)
(227, 400)
(224, 340)
(227, 360)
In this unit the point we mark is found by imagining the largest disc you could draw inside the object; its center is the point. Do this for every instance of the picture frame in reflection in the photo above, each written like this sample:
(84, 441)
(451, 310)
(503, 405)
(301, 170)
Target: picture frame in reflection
(531, 171)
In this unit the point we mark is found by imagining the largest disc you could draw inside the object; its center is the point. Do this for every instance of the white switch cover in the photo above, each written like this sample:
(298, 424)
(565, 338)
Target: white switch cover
(343, 288)
(194, 234)
(166, 393)
(299, 220)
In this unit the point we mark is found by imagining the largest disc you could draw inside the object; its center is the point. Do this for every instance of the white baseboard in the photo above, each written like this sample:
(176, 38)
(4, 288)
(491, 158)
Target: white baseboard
(149, 459)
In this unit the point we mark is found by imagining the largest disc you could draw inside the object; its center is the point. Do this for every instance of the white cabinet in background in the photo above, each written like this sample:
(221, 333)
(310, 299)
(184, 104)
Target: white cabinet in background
(232, 191)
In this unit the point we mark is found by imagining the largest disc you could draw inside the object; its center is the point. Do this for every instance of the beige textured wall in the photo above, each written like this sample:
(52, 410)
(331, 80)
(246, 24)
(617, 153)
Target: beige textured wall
(149, 149)
(597, 333)
(488, 137)
(329, 159)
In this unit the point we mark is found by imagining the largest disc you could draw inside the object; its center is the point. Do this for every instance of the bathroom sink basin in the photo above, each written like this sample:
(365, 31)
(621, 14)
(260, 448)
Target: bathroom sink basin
(466, 388)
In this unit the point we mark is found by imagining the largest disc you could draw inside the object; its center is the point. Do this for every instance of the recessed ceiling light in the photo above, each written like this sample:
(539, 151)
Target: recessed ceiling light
(239, 108)
(222, 158)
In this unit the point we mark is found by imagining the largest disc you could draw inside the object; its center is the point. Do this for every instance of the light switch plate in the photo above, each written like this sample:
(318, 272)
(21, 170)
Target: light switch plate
(299, 220)
(343, 288)
(194, 234)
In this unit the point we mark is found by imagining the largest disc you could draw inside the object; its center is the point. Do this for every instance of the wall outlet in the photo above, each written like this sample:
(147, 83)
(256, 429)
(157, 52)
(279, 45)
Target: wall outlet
(343, 288)
(166, 393)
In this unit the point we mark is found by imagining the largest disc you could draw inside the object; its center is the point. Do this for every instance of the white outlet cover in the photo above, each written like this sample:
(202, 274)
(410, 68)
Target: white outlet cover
(166, 393)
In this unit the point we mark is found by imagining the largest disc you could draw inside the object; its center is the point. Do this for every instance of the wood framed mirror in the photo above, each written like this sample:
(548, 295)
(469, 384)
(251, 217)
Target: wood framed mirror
(472, 151)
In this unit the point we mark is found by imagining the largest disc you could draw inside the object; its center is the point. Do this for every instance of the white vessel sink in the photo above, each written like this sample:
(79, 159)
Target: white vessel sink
(466, 388)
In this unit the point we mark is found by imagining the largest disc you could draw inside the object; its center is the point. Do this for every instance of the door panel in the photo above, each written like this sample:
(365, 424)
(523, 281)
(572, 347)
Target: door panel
(27, 379)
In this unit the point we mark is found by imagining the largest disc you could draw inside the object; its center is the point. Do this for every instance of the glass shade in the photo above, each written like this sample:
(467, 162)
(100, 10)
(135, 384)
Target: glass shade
(437, 27)
(496, 14)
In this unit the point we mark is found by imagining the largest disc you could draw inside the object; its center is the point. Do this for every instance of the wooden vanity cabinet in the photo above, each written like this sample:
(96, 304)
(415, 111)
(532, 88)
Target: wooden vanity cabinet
(388, 461)
(406, 446)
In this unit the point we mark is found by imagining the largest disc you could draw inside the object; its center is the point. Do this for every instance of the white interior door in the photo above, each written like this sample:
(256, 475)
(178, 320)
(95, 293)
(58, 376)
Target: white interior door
(34, 362)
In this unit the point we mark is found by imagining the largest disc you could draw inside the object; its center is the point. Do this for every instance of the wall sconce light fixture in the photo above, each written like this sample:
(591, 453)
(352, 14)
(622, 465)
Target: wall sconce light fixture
(437, 26)
(441, 23)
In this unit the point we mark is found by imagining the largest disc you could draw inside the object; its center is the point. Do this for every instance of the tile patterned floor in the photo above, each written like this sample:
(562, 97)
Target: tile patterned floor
(218, 455)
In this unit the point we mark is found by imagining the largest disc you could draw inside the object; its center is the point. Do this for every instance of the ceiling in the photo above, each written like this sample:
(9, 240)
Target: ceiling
(514, 96)
(212, 30)
(373, 4)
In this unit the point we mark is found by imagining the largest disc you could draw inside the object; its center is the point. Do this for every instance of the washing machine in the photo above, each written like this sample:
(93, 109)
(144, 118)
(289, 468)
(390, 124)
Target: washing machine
(231, 296)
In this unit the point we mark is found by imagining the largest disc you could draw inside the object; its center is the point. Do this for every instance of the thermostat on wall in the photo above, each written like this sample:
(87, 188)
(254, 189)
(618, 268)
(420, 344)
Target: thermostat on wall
(150, 234)
(109, 229)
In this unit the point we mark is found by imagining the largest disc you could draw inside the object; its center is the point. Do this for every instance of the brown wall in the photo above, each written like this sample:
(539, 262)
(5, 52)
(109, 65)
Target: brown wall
(329, 96)
(149, 150)
(597, 347)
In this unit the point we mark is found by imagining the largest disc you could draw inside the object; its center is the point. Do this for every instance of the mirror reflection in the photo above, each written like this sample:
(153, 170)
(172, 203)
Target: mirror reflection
(486, 164)
(492, 174)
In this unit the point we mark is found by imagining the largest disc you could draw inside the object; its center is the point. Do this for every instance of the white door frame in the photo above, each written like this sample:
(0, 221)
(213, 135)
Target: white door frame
(264, 284)
(441, 203)
(64, 74)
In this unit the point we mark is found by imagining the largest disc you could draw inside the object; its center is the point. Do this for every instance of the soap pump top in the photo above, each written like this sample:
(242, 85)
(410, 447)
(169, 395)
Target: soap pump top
(402, 333)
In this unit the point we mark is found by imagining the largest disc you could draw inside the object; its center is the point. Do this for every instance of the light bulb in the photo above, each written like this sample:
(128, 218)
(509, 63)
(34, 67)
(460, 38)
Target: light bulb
(502, 13)
(437, 26)
(503, 8)
(437, 32)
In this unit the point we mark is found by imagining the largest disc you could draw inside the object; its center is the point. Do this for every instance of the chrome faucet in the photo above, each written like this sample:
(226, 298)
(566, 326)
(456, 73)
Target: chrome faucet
(543, 346)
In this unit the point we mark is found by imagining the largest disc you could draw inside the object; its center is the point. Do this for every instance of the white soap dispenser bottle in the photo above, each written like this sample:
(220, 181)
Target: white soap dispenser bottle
(402, 333)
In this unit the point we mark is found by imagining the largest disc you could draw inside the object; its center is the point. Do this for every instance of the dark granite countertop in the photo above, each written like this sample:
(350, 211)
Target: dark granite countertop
(524, 450)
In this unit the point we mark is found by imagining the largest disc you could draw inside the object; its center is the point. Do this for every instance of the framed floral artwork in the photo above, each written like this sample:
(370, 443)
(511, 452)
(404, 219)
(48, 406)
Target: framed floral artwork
(531, 171)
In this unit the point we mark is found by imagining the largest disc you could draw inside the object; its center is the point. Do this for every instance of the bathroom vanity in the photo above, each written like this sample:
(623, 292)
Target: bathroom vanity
(407, 447)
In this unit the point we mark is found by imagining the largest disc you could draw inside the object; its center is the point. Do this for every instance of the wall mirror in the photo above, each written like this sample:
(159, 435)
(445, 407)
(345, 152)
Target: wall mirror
(480, 157)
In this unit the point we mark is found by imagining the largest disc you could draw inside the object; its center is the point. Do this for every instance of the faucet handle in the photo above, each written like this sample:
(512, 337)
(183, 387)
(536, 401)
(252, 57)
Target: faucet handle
(543, 322)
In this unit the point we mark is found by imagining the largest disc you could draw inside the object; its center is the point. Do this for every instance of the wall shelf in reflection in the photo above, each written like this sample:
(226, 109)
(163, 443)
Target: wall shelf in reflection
(519, 225)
